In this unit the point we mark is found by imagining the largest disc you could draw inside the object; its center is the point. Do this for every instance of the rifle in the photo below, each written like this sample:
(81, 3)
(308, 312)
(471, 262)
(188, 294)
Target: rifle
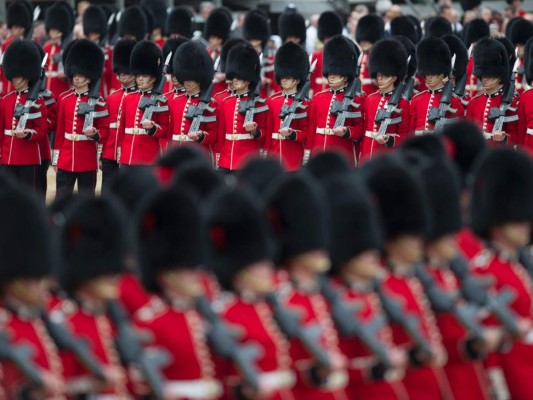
(23, 112)
(384, 117)
(288, 113)
(131, 350)
(409, 88)
(88, 109)
(149, 104)
(36, 13)
(20, 356)
(196, 113)
(459, 89)
(525, 259)
(341, 109)
(438, 115)
(248, 107)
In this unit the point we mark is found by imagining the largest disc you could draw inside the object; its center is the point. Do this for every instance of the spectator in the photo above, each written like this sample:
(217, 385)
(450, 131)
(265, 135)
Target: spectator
(311, 37)
(205, 9)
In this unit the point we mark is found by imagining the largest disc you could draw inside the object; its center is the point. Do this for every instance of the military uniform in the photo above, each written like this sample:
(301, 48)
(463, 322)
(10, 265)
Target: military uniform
(474, 31)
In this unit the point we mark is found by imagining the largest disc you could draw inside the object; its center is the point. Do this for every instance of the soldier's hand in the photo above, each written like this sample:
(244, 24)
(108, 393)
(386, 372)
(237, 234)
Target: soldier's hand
(21, 133)
(55, 168)
(340, 131)
(285, 132)
(61, 75)
(115, 377)
(195, 135)
(90, 132)
(53, 385)
(492, 339)
(397, 358)
(382, 139)
(499, 136)
(220, 77)
(250, 127)
(147, 124)
(524, 327)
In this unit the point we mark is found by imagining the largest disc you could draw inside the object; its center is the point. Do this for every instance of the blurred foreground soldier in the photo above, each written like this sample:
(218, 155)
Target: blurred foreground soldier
(217, 30)
(370, 30)
(138, 137)
(435, 66)
(24, 276)
(493, 71)
(335, 115)
(78, 135)
(520, 32)
(502, 214)
(474, 31)
(121, 67)
(286, 142)
(20, 155)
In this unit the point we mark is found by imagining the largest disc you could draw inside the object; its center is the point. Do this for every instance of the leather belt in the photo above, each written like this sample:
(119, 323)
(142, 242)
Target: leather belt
(74, 137)
(238, 136)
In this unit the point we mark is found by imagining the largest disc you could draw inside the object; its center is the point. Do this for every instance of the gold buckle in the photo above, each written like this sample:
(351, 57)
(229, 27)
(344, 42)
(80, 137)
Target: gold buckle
(75, 137)
(234, 136)
(135, 131)
(328, 131)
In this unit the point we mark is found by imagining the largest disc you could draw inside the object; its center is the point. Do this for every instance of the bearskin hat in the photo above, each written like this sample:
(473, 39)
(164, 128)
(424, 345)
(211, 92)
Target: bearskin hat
(243, 63)
(158, 8)
(329, 25)
(66, 50)
(405, 26)
(354, 224)
(171, 235)
(340, 57)
(431, 146)
(172, 45)
(437, 27)
(94, 21)
(193, 63)
(256, 27)
(434, 57)
(292, 24)
(389, 59)
(201, 178)
(502, 190)
(259, 173)
(17, 14)
(218, 24)
(458, 48)
(291, 61)
(410, 49)
(93, 242)
(327, 164)
(146, 59)
(510, 49)
(22, 59)
(467, 5)
(179, 22)
(60, 16)
(509, 25)
(226, 47)
(528, 60)
(149, 20)
(520, 31)
(474, 31)
(85, 58)
(132, 23)
(370, 28)
(121, 56)
(177, 158)
(491, 59)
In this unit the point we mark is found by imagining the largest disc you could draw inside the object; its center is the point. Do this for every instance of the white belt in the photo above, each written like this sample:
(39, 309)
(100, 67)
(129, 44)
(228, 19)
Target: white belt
(529, 131)
(135, 131)
(238, 136)
(74, 137)
(52, 74)
(194, 389)
(278, 379)
(9, 132)
(113, 125)
(422, 133)
(325, 131)
(528, 339)
(487, 135)
(337, 380)
(370, 134)
(277, 136)
(181, 138)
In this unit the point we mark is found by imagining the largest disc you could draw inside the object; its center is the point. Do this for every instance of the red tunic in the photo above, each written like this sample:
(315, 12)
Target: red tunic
(321, 122)
(373, 103)
(133, 296)
(318, 82)
(53, 83)
(478, 110)
(75, 152)
(471, 80)
(14, 150)
(114, 106)
(137, 147)
(422, 103)
(289, 151)
(525, 121)
(469, 243)
(109, 79)
(367, 84)
(236, 145)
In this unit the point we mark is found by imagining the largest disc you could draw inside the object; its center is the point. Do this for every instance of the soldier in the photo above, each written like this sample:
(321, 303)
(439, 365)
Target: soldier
(388, 66)
(217, 30)
(370, 29)
(520, 32)
(138, 137)
(525, 122)
(339, 68)
(435, 66)
(493, 71)
(291, 73)
(20, 154)
(222, 86)
(121, 67)
(474, 31)
(172, 88)
(179, 23)
(458, 48)
(329, 25)
(75, 155)
(504, 222)
(238, 138)
(193, 68)
(291, 27)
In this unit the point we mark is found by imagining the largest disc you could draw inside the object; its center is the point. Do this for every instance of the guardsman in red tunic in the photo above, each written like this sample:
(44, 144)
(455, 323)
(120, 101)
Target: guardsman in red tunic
(458, 48)
(217, 31)
(303, 258)
(121, 67)
(223, 86)
(474, 31)
(493, 71)
(501, 215)
(138, 137)
(370, 29)
(240, 140)
(355, 239)
(26, 268)
(76, 147)
(520, 31)
(329, 25)
(172, 86)
(291, 72)
(193, 68)
(525, 106)
(132, 24)
(172, 251)
(434, 65)
(402, 208)
(388, 65)
(241, 257)
(19, 155)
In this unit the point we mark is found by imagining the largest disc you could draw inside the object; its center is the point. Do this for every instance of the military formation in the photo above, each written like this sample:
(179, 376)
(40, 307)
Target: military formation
(350, 224)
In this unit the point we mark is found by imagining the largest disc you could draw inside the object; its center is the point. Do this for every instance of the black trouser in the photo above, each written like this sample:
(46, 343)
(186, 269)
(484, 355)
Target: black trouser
(109, 171)
(66, 180)
(23, 174)
(42, 178)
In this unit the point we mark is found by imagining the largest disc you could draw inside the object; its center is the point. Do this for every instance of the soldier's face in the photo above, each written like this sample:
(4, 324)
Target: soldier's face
(31, 292)
(181, 283)
(490, 83)
(145, 82)
(215, 42)
(292, 39)
(336, 81)
(385, 83)
(405, 249)
(513, 235)
(93, 37)
(363, 266)
(316, 261)
(20, 83)
(434, 81)
(443, 248)
(256, 278)
(80, 81)
(520, 50)
(240, 85)
(126, 80)
(191, 87)
(102, 288)
(365, 46)
(289, 83)
(55, 34)
(17, 31)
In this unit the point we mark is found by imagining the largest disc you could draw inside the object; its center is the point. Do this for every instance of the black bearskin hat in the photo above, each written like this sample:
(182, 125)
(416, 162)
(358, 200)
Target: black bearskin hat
(469, 4)
(458, 48)
(329, 25)
(291, 61)
(491, 59)
(226, 47)
(17, 14)
(510, 49)
(292, 24)
(22, 59)
(388, 58)
(434, 57)
(370, 28)
(405, 26)
(528, 60)
(172, 45)
(256, 27)
(193, 63)
(243, 63)
(259, 173)
(437, 27)
(171, 235)
(327, 164)
(93, 242)
(94, 21)
(60, 16)
(340, 57)
(85, 58)
(475, 30)
(431, 146)
(520, 31)
(502, 190)
(146, 59)
(158, 8)
(132, 23)
(149, 20)
(200, 177)
(218, 24)
(410, 49)
(179, 22)
(122, 55)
